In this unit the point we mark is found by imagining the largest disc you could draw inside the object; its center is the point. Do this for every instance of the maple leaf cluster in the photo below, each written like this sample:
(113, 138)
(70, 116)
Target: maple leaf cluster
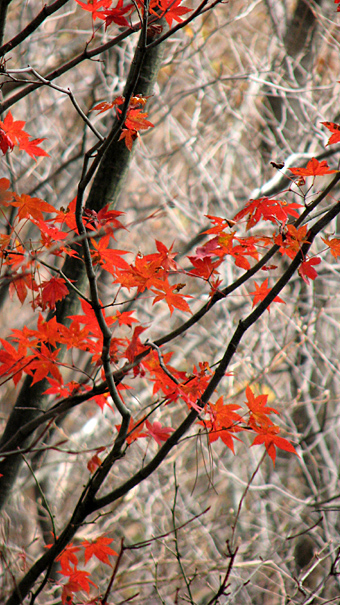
(224, 423)
(102, 9)
(78, 579)
(35, 352)
(12, 135)
(135, 118)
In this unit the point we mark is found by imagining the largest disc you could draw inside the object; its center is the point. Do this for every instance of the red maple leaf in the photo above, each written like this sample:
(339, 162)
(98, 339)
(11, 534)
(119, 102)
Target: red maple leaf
(108, 258)
(5, 196)
(335, 128)
(157, 431)
(136, 120)
(30, 207)
(43, 364)
(333, 244)
(223, 422)
(173, 11)
(135, 347)
(32, 147)
(135, 430)
(12, 361)
(259, 412)
(14, 129)
(79, 580)
(313, 168)
(261, 291)
(12, 133)
(99, 548)
(306, 270)
(6, 142)
(53, 290)
(115, 15)
(270, 438)
(170, 294)
(92, 6)
(104, 105)
(220, 224)
(129, 136)
(268, 210)
(67, 557)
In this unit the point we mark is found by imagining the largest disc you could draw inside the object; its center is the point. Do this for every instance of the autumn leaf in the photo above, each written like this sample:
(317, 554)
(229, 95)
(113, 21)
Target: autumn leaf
(100, 549)
(79, 580)
(5, 196)
(271, 440)
(105, 106)
(30, 207)
(12, 361)
(129, 136)
(93, 6)
(14, 129)
(170, 294)
(67, 557)
(135, 430)
(136, 120)
(313, 168)
(306, 269)
(173, 11)
(32, 147)
(44, 364)
(259, 411)
(223, 423)
(157, 431)
(12, 134)
(52, 291)
(108, 258)
(334, 128)
(6, 143)
(333, 244)
(268, 210)
(135, 347)
(261, 291)
(94, 463)
(115, 15)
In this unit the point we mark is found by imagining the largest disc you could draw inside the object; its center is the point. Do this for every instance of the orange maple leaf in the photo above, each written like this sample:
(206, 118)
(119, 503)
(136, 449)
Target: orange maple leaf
(271, 440)
(134, 432)
(129, 136)
(31, 147)
(30, 207)
(335, 128)
(306, 270)
(79, 580)
(92, 6)
(43, 364)
(136, 120)
(223, 423)
(334, 245)
(259, 412)
(67, 557)
(13, 134)
(268, 210)
(99, 548)
(173, 11)
(53, 290)
(157, 431)
(313, 168)
(172, 297)
(261, 291)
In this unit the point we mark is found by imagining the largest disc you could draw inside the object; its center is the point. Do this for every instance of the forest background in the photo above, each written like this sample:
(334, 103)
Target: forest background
(175, 115)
